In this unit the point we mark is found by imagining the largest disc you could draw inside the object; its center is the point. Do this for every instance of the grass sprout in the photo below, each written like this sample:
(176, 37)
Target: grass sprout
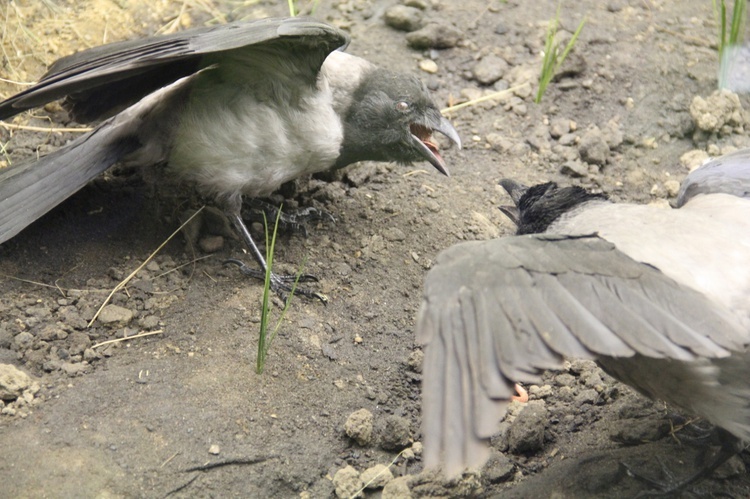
(265, 338)
(295, 10)
(553, 55)
(734, 35)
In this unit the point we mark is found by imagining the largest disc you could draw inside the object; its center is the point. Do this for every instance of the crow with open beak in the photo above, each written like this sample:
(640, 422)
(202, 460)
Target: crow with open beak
(237, 109)
(660, 298)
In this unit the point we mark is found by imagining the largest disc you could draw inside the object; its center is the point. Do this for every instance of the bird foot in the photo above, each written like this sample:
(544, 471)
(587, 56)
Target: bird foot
(289, 221)
(281, 284)
(671, 486)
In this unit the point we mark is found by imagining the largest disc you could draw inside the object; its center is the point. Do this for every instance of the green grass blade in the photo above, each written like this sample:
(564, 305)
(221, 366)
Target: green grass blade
(264, 341)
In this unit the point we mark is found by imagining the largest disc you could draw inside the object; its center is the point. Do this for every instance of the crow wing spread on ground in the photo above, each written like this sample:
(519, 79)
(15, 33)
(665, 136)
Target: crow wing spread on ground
(660, 298)
(102, 81)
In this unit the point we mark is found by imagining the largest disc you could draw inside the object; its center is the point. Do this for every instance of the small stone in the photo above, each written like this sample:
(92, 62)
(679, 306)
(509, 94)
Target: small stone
(435, 36)
(490, 69)
(394, 234)
(348, 483)
(672, 187)
(115, 314)
(395, 434)
(214, 449)
(574, 169)
(498, 469)
(693, 159)
(721, 108)
(415, 361)
(398, 488)
(593, 148)
(526, 434)
(428, 66)
(90, 354)
(23, 340)
(13, 382)
(376, 477)
(78, 342)
(359, 427)
(403, 17)
(559, 127)
(73, 369)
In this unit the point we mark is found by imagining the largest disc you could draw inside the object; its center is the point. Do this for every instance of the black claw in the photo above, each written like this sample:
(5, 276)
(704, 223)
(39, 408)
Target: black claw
(281, 284)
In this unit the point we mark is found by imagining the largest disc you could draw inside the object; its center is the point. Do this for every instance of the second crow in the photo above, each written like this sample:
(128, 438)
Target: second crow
(659, 297)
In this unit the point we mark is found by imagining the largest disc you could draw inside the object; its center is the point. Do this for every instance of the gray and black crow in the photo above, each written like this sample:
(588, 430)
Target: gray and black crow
(659, 297)
(236, 109)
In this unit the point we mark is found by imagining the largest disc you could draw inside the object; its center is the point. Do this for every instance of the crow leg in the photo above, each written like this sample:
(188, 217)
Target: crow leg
(730, 446)
(280, 284)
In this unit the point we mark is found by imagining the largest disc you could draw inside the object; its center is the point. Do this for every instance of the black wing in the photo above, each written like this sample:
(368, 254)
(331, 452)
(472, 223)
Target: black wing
(729, 174)
(103, 80)
(501, 311)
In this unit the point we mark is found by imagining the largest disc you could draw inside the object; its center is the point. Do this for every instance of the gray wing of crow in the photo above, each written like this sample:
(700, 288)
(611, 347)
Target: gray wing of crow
(729, 174)
(501, 311)
(276, 54)
(29, 190)
(103, 80)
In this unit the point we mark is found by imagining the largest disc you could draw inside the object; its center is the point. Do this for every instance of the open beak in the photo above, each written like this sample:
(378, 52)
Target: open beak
(515, 190)
(422, 136)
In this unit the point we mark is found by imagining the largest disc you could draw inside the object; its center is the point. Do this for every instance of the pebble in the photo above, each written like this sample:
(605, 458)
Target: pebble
(593, 148)
(435, 36)
(558, 127)
(23, 340)
(214, 449)
(395, 433)
(526, 432)
(415, 361)
(13, 382)
(721, 108)
(347, 483)
(428, 66)
(398, 488)
(693, 159)
(574, 169)
(489, 69)
(376, 477)
(359, 427)
(498, 469)
(115, 314)
(404, 17)
(672, 187)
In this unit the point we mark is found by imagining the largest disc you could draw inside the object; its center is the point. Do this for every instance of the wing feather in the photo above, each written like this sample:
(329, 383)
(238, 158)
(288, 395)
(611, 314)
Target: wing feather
(496, 312)
(100, 80)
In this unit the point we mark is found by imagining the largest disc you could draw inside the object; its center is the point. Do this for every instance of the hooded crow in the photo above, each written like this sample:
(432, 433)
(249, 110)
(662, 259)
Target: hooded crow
(659, 297)
(236, 109)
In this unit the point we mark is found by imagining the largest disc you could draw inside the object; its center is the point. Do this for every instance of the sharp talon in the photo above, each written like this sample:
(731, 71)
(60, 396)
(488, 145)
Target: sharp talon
(281, 284)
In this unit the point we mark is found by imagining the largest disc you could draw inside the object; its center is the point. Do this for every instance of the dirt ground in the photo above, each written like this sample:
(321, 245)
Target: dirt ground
(135, 418)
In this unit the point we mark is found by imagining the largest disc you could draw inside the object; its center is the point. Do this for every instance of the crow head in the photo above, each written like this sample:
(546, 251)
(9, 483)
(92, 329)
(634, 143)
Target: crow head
(392, 118)
(538, 206)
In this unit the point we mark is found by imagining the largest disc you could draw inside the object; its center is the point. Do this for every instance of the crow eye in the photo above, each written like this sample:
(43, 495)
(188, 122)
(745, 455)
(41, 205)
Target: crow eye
(402, 106)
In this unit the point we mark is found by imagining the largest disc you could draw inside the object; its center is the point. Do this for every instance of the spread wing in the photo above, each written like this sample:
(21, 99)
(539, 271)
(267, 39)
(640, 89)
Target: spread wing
(103, 80)
(729, 174)
(496, 312)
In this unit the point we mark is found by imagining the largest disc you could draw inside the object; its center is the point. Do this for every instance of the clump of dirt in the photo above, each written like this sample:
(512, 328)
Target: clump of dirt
(142, 417)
